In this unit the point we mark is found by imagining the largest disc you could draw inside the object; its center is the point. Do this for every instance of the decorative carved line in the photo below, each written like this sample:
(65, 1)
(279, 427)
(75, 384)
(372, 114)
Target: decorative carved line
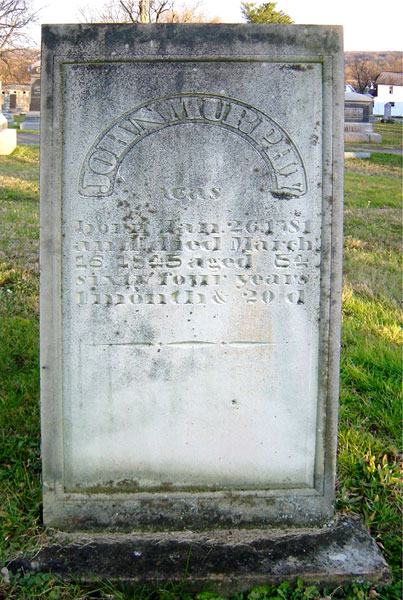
(194, 343)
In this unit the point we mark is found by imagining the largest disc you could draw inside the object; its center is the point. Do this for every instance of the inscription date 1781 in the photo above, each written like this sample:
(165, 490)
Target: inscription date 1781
(199, 263)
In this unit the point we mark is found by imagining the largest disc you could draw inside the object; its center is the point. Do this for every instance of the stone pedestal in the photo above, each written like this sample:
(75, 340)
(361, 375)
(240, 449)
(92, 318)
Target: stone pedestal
(227, 561)
(361, 132)
(32, 121)
(8, 137)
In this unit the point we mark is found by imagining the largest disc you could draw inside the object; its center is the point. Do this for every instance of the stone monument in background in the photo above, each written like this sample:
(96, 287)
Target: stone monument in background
(387, 112)
(8, 137)
(191, 206)
(358, 109)
(32, 119)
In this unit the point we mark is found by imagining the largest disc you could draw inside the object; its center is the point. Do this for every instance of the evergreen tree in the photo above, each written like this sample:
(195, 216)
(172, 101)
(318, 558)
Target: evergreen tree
(265, 13)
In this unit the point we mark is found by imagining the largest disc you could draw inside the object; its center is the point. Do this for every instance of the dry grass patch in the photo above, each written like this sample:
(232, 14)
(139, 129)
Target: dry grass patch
(366, 167)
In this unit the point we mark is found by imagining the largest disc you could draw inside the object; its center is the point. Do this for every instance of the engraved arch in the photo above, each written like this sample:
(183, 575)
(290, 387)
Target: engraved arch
(287, 173)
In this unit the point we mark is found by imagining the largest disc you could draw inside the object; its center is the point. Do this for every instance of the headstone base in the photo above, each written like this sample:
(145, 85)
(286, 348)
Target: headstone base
(228, 561)
(32, 122)
(361, 132)
(357, 155)
(355, 136)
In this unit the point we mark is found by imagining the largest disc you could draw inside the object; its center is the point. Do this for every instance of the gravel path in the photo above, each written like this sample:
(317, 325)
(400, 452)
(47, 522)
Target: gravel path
(372, 149)
(27, 139)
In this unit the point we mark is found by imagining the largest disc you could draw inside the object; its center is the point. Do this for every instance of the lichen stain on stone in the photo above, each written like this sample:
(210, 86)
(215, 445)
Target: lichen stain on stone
(160, 369)
(296, 67)
(281, 195)
(124, 486)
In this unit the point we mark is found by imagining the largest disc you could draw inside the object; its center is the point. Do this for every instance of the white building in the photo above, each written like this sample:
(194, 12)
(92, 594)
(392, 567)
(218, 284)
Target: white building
(389, 88)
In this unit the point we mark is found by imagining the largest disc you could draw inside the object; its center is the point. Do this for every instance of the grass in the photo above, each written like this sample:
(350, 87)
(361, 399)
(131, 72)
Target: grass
(391, 133)
(18, 119)
(370, 400)
(369, 465)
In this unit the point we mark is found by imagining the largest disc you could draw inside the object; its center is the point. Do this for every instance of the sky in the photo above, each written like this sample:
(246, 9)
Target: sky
(368, 25)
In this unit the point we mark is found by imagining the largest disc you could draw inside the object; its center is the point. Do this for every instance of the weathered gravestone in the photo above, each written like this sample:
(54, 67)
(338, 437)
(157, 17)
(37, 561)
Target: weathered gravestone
(33, 118)
(358, 110)
(387, 111)
(6, 109)
(191, 281)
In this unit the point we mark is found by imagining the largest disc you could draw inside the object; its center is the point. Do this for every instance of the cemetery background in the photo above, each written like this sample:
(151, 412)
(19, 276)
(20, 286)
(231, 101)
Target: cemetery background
(370, 412)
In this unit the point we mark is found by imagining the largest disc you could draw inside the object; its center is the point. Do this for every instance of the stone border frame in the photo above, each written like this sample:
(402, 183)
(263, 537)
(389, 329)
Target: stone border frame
(150, 511)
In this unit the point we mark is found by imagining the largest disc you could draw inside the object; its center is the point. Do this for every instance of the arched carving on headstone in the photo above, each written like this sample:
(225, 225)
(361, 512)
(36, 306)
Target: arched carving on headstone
(288, 177)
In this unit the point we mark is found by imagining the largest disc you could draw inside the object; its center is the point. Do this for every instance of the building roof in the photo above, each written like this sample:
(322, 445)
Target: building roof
(15, 86)
(354, 97)
(389, 78)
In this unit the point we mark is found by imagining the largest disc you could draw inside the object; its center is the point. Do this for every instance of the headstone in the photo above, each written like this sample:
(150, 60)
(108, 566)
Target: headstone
(8, 137)
(387, 111)
(32, 119)
(190, 296)
(6, 109)
(358, 109)
(35, 104)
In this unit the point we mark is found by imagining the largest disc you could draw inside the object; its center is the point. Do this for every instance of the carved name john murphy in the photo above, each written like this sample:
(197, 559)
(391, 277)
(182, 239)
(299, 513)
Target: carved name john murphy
(285, 165)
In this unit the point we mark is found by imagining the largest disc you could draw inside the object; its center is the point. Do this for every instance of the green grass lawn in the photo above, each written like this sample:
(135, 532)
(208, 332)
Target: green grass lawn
(18, 119)
(391, 133)
(369, 468)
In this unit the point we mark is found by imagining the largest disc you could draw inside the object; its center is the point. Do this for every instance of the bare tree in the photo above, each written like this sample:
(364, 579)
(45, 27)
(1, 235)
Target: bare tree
(14, 63)
(144, 11)
(188, 14)
(15, 16)
(362, 74)
(126, 11)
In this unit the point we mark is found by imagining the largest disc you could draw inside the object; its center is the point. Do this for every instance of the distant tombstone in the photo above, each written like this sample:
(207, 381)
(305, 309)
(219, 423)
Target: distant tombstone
(358, 109)
(191, 206)
(6, 109)
(8, 137)
(387, 111)
(35, 104)
(32, 119)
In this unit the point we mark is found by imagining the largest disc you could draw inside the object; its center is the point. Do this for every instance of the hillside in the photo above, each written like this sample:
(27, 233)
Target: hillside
(14, 65)
(387, 61)
(361, 69)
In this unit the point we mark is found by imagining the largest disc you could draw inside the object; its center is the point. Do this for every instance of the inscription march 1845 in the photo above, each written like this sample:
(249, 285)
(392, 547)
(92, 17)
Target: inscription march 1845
(191, 274)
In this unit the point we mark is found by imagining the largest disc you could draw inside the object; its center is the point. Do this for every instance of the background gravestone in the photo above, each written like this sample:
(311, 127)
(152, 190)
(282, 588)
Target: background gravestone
(190, 299)
(358, 109)
(32, 120)
(387, 111)
(9, 116)
(35, 95)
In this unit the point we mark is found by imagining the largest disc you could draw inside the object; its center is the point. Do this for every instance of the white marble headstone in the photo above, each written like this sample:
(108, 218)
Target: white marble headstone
(191, 193)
